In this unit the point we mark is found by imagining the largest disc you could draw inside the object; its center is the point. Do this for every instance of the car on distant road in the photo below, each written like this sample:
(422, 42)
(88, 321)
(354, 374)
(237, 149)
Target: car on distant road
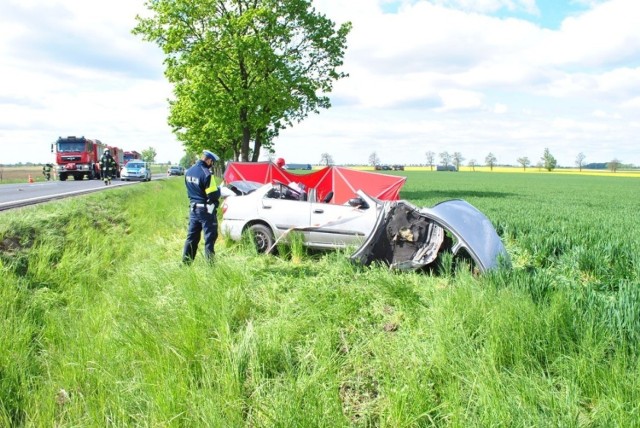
(175, 170)
(393, 232)
(136, 170)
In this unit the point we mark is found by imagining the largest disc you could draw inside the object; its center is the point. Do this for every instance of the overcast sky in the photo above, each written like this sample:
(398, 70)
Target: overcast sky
(509, 77)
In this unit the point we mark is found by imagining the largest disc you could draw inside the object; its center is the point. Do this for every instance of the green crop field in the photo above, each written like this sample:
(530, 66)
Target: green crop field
(101, 325)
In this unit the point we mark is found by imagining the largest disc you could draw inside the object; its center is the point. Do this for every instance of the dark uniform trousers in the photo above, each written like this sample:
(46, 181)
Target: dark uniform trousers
(200, 220)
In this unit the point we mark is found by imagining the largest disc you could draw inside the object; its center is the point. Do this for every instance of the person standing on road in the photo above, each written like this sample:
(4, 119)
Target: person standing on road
(204, 197)
(46, 171)
(107, 166)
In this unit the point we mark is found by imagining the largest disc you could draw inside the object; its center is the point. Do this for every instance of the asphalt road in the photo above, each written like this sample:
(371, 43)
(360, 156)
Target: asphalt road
(20, 195)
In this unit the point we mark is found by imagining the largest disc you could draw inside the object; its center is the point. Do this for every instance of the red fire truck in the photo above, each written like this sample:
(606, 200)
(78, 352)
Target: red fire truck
(131, 156)
(79, 157)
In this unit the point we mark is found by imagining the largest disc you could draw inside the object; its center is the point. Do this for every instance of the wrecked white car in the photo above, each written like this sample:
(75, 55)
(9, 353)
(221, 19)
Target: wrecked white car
(396, 233)
(272, 211)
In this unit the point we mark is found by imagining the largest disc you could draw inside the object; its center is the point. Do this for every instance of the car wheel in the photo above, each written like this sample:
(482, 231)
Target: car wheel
(262, 237)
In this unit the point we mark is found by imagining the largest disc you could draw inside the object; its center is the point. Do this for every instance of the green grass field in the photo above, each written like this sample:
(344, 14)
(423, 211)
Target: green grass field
(100, 324)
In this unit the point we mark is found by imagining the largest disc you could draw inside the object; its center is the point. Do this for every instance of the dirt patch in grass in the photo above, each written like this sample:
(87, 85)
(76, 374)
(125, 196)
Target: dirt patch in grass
(12, 244)
(359, 397)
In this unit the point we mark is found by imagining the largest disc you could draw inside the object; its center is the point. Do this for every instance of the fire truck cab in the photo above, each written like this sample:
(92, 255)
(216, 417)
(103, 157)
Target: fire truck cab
(79, 157)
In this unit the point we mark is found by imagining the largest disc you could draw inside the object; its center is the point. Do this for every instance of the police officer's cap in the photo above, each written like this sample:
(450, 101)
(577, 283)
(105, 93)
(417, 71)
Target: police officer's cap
(210, 155)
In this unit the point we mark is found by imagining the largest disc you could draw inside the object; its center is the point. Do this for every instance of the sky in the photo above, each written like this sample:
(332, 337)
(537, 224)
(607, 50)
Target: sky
(507, 77)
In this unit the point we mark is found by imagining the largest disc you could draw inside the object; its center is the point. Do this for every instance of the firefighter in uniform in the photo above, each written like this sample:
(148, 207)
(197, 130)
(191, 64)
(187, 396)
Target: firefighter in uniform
(204, 197)
(107, 166)
(46, 171)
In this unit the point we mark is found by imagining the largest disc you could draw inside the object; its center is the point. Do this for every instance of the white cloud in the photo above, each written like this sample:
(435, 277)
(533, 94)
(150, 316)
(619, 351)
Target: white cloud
(603, 36)
(455, 99)
(439, 75)
(489, 6)
(500, 108)
(606, 115)
(633, 103)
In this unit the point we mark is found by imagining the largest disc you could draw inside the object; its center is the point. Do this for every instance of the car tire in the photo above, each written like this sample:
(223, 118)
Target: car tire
(262, 237)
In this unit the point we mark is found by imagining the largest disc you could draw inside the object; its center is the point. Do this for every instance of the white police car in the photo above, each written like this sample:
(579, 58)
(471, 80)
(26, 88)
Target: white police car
(136, 170)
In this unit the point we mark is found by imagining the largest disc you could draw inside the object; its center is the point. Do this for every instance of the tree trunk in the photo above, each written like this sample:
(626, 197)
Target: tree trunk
(256, 148)
(246, 139)
(246, 135)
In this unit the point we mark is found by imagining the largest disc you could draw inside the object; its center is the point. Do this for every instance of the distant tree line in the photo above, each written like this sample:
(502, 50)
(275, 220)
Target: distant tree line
(547, 161)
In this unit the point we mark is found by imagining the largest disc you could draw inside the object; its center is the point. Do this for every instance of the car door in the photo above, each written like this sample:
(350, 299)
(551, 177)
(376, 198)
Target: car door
(340, 225)
(285, 215)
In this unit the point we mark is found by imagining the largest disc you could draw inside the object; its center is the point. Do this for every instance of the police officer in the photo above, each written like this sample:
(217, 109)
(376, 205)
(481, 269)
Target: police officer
(204, 197)
(107, 166)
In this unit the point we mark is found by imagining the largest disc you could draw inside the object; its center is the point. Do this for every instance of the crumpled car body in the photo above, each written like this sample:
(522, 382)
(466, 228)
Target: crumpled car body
(395, 233)
(408, 237)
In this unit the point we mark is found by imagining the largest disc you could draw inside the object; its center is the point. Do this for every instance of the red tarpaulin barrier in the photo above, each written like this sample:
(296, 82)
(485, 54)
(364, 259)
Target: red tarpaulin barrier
(344, 182)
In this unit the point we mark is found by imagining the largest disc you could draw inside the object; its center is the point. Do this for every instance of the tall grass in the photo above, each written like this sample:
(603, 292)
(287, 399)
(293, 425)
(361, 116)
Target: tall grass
(101, 325)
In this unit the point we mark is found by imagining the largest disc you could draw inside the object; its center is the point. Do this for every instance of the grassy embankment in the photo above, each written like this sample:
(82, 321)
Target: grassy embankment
(101, 325)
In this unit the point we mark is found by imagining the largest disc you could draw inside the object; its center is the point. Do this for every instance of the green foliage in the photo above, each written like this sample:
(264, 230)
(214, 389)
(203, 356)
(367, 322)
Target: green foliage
(149, 155)
(549, 162)
(100, 323)
(242, 71)
(188, 159)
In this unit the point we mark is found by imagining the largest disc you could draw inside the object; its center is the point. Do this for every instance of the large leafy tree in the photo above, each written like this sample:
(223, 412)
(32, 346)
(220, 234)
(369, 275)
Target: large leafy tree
(243, 70)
